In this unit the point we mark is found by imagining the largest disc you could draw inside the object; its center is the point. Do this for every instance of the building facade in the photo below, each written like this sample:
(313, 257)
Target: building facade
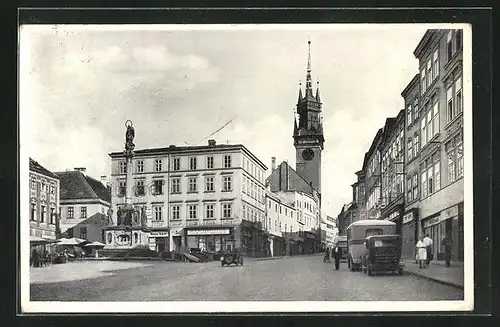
(371, 168)
(287, 183)
(44, 201)
(441, 138)
(85, 204)
(392, 171)
(411, 221)
(210, 197)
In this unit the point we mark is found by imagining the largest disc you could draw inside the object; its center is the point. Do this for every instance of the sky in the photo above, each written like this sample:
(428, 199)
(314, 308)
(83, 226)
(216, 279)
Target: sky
(79, 85)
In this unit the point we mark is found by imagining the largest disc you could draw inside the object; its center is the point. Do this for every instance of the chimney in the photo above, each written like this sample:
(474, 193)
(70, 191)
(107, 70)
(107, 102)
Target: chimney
(81, 169)
(211, 143)
(273, 164)
(104, 180)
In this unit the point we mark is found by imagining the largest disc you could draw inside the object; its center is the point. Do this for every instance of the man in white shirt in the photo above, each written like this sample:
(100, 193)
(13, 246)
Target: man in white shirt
(428, 245)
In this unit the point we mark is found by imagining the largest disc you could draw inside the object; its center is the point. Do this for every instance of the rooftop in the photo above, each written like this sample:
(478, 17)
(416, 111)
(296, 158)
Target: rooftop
(37, 168)
(76, 185)
(190, 148)
(372, 222)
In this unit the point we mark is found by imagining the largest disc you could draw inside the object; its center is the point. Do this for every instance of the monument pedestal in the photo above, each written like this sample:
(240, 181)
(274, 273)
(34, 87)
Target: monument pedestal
(129, 232)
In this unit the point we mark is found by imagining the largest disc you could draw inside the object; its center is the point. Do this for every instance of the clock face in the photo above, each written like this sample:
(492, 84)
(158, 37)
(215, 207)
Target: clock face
(308, 154)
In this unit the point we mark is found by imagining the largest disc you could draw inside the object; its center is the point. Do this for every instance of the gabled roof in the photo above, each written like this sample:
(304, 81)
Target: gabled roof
(37, 168)
(292, 181)
(76, 186)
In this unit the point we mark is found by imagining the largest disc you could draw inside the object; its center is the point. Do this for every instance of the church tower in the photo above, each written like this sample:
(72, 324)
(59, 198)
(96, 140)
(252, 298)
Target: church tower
(308, 132)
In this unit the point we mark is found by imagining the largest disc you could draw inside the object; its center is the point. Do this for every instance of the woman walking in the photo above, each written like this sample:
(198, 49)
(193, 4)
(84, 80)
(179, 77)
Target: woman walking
(421, 253)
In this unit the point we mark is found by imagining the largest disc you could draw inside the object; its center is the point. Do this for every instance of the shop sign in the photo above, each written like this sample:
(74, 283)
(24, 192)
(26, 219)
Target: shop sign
(449, 213)
(408, 217)
(393, 215)
(209, 232)
(431, 221)
(159, 234)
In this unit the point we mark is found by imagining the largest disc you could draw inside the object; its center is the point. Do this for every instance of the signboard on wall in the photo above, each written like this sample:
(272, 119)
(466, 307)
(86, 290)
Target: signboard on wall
(408, 217)
(449, 213)
(431, 221)
(159, 234)
(209, 232)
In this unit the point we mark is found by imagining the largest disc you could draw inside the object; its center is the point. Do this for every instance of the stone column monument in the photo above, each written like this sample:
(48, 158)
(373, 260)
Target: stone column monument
(130, 229)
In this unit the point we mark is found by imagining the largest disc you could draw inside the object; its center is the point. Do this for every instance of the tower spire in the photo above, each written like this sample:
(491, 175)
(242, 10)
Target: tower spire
(308, 76)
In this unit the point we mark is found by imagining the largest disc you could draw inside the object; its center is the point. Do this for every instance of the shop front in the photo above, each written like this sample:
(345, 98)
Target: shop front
(447, 222)
(159, 240)
(277, 245)
(410, 233)
(310, 242)
(253, 240)
(210, 239)
(394, 212)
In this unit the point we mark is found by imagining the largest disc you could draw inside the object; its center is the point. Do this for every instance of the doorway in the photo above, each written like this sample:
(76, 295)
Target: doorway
(177, 240)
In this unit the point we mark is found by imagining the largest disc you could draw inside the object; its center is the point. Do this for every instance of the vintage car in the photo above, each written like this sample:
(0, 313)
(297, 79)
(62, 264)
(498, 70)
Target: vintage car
(383, 253)
(232, 256)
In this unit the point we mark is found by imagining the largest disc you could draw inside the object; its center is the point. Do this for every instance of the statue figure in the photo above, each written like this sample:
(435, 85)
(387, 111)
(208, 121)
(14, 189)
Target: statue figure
(129, 137)
(119, 217)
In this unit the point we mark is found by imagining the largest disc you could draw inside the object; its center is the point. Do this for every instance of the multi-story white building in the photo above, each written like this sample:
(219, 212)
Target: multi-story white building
(195, 196)
(85, 203)
(44, 201)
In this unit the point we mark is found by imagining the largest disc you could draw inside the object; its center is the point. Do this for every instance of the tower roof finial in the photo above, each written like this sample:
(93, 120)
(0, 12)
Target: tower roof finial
(308, 77)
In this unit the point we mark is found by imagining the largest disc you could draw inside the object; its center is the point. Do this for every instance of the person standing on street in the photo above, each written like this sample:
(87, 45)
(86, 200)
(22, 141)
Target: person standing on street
(337, 253)
(326, 258)
(428, 245)
(447, 243)
(421, 253)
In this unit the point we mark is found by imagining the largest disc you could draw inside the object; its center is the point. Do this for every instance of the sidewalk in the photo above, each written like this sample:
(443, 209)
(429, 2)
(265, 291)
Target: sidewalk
(283, 257)
(437, 271)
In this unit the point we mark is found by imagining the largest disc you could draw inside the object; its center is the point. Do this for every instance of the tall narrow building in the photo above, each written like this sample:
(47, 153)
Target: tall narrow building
(308, 132)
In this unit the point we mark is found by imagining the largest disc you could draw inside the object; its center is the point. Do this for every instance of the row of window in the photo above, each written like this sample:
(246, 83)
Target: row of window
(175, 185)
(251, 214)
(42, 218)
(71, 212)
(192, 211)
(253, 169)
(429, 72)
(44, 187)
(253, 190)
(429, 125)
(176, 164)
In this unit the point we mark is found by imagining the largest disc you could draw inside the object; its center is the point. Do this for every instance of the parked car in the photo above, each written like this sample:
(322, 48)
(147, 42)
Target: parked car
(383, 253)
(233, 256)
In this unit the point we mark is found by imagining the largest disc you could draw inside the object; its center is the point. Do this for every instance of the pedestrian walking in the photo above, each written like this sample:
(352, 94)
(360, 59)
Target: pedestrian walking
(36, 257)
(326, 258)
(447, 243)
(428, 245)
(421, 253)
(337, 254)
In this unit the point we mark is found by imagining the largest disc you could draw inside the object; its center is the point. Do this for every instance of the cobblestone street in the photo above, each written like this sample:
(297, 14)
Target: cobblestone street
(289, 279)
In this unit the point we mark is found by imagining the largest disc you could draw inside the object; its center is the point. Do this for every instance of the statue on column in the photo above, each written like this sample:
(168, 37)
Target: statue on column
(129, 137)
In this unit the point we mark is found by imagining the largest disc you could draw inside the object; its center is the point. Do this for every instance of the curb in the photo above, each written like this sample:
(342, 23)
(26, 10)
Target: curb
(444, 282)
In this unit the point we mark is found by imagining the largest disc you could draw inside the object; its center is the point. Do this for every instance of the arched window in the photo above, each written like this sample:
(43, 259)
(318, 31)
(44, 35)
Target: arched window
(110, 238)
